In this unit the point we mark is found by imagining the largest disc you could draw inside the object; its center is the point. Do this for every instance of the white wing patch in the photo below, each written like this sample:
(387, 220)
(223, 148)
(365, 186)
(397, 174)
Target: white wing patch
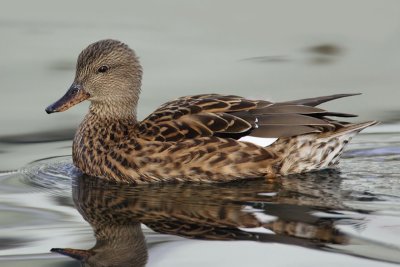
(260, 141)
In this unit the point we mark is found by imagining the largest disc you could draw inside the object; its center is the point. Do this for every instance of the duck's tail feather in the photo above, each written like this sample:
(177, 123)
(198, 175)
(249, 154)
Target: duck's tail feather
(315, 101)
(315, 151)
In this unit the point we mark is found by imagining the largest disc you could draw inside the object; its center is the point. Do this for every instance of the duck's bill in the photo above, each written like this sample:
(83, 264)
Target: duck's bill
(74, 95)
(78, 254)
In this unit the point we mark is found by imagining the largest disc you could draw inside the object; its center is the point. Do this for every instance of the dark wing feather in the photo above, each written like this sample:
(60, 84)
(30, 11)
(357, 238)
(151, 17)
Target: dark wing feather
(315, 101)
(292, 119)
(279, 108)
(283, 131)
(234, 116)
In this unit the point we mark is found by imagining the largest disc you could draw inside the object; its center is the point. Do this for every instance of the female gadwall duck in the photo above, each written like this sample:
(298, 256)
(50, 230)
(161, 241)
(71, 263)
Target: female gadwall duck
(204, 138)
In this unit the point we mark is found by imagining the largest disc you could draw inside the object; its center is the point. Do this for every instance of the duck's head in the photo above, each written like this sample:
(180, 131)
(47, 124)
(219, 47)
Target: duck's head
(108, 74)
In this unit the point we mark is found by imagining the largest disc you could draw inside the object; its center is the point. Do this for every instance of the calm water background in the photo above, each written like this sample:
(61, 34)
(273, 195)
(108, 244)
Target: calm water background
(276, 50)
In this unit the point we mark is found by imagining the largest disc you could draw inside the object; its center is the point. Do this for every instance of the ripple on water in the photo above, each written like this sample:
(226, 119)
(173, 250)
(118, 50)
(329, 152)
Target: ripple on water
(53, 174)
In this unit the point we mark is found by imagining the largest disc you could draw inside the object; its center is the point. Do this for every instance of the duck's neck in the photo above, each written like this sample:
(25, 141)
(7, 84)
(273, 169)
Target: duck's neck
(105, 126)
(123, 109)
(121, 104)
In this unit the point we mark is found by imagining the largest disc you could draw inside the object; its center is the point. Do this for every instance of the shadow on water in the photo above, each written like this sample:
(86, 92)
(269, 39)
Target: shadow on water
(303, 210)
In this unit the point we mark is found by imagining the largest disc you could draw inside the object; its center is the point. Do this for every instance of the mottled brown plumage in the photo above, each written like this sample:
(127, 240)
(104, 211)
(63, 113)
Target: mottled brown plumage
(193, 138)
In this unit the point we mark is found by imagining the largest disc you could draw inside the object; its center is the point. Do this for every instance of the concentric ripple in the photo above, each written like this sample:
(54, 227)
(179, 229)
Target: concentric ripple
(53, 174)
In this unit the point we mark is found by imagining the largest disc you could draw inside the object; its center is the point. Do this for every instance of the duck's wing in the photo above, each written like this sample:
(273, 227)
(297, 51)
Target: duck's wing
(234, 116)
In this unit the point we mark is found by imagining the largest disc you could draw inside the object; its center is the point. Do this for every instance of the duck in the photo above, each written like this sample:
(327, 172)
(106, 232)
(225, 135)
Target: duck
(198, 138)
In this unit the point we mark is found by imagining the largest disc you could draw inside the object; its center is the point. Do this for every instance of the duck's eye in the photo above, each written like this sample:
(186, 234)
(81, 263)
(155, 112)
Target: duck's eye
(103, 69)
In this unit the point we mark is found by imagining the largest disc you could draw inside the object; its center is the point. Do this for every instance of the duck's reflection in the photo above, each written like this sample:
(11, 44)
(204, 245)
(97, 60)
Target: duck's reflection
(266, 211)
